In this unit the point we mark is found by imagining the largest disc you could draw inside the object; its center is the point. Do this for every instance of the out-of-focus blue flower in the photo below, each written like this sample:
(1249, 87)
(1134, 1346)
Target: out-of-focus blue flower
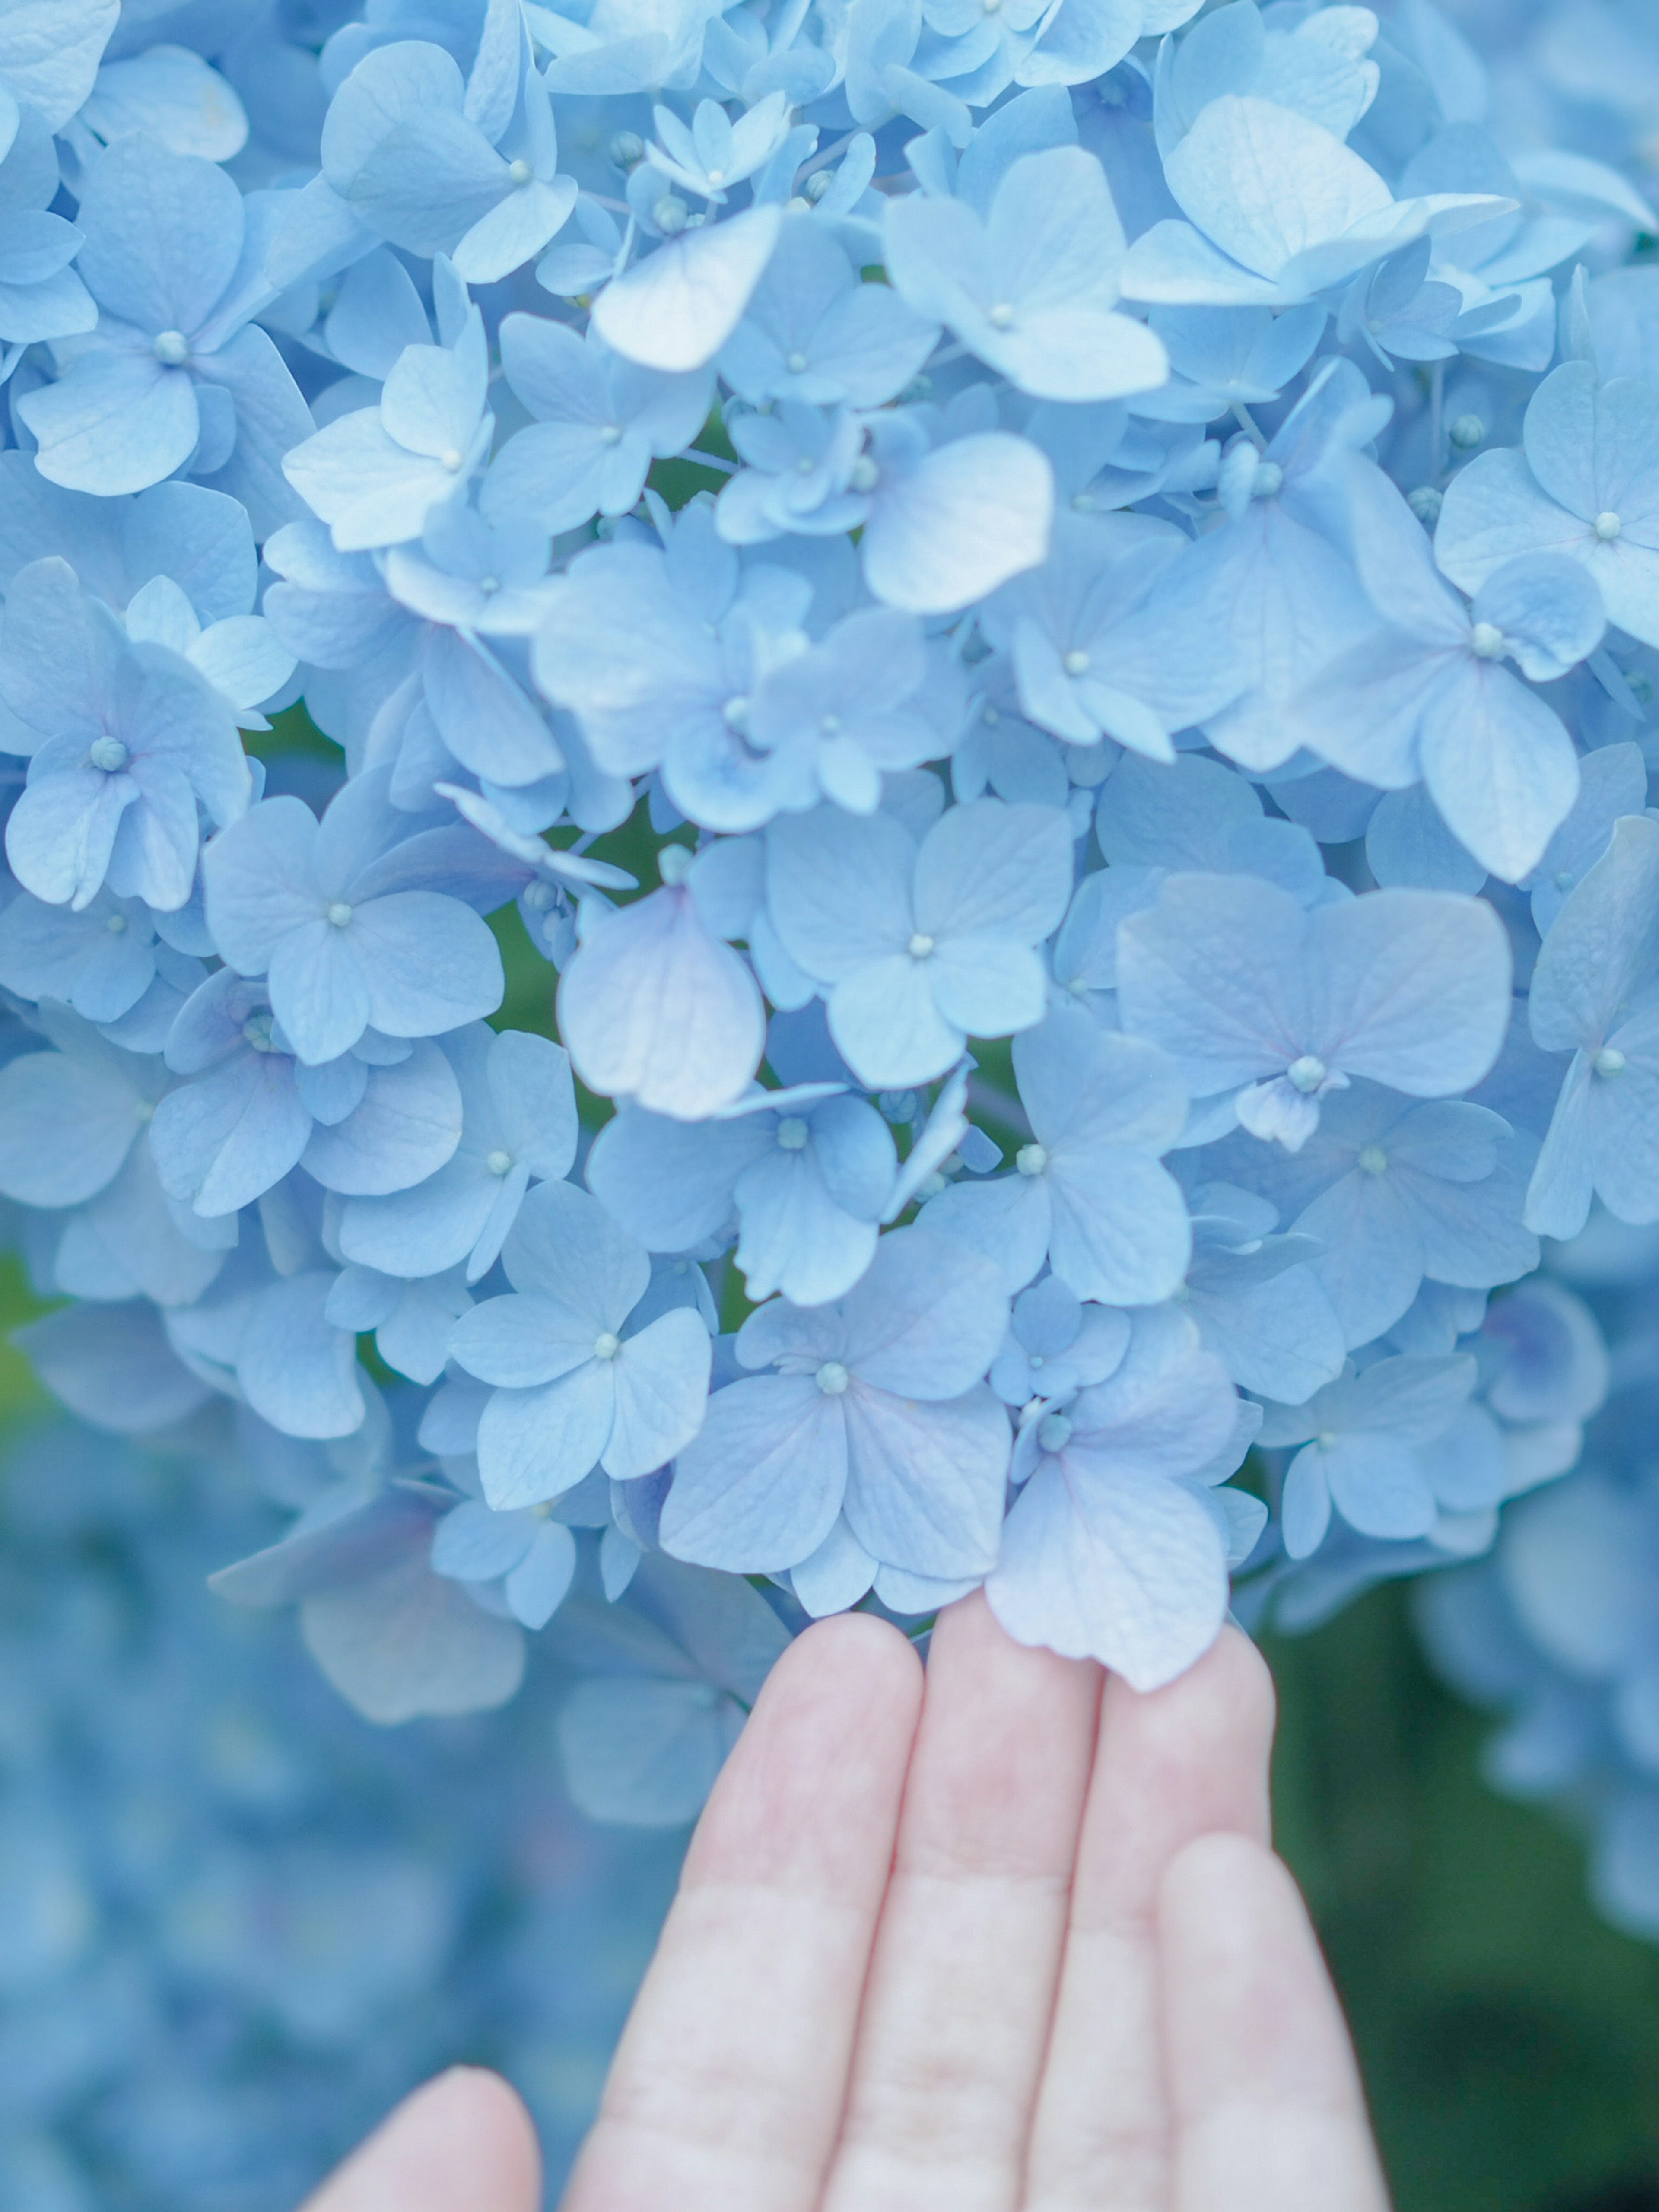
(1590, 996)
(1361, 1440)
(41, 295)
(1582, 485)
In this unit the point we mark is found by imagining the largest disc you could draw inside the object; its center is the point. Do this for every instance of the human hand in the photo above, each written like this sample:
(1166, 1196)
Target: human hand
(998, 1942)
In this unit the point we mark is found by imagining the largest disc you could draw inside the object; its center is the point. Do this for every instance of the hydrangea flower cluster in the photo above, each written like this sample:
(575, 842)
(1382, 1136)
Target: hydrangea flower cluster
(1044, 618)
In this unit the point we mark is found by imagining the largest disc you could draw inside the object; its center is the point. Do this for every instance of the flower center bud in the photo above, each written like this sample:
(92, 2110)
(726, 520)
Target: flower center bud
(1607, 525)
(257, 1029)
(1327, 1440)
(792, 1132)
(612, 435)
(1055, 1432)
(1268, 481)
(498, 1162)
(670, 214)
(1610, 1061)
(453, 459)
(1077, 664)
(338, 913)
(920, 946)
(520, 172)
(674, 864)
(1467, 431)
(627, 150)
(108, 754)
(1031, 1159)
(1425, 503)
(607, 1345)
(490, 586)
(1308, 1072)
(796, 364)
(1486, 641)
(171, 349)
(539, 897)
(864, 475)
(1001, 316)
(832, 1378)
(1373, 1160)
(829, 724)
(116, 925)
(736, 711)
(1564, 879)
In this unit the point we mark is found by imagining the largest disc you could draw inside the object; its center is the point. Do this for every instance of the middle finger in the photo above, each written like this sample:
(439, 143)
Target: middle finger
(967, 1955)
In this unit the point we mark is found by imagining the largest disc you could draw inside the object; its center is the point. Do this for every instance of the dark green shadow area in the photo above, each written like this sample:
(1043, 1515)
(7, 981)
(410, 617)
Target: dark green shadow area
(1510, 2039)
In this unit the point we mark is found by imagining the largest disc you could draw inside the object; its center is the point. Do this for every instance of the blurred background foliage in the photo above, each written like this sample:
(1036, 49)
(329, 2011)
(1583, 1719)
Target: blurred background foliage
(1509, 2038)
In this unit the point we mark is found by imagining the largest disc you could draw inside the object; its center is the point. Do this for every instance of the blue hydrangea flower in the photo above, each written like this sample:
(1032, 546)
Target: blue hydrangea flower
(125, 742)
(519, 1125)
(1591, 989)
(439, 165)
(1240, 985)
(177, 373)
(936, 943)
(1088, 1193)
(1580, 486)
(1111, 1550)
(1360, 1441)
(875, 1407)
(572, 1390)
(375, 475)
(807, 1173)
(338, 917)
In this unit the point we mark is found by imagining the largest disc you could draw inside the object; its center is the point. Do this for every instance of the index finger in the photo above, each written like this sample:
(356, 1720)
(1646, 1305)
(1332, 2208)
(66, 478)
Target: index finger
(727, 2091)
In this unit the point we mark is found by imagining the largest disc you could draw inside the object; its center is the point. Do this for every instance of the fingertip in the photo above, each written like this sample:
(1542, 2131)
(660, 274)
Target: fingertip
(849, 1668)
(864, 1643)
(820, 1763)
(1241, 1678)
(460, 2141)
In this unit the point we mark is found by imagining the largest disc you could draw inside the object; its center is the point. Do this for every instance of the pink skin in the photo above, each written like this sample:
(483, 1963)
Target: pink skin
(1008, 1939)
